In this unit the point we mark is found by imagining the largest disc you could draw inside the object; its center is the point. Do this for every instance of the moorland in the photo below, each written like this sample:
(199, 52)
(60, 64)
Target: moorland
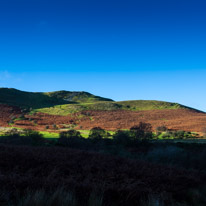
(75, 148)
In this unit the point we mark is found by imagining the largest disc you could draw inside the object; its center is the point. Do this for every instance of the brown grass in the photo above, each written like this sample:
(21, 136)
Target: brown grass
(177, 119)
(123, 181)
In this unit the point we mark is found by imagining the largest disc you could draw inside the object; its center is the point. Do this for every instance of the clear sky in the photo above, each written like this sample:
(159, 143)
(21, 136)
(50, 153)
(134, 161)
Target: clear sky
(142, 49)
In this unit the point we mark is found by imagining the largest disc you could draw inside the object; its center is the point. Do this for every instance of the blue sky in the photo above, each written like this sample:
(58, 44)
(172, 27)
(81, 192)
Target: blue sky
(148, 49)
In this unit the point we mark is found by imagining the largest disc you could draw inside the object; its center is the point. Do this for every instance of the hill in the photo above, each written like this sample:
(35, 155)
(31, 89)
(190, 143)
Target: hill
(36, 100)
(82, 110)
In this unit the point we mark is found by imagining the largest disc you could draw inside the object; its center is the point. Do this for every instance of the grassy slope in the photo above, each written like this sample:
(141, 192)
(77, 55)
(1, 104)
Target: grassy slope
(66, 102)
(77, 96)
(138, 105)
(38, 100)
(27, 99)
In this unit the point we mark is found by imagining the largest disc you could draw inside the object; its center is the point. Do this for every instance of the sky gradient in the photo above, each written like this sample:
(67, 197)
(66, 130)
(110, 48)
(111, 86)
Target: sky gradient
(148, 49)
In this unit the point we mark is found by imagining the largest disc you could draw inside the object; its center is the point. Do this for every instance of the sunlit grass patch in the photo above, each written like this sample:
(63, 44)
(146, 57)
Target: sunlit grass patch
(49, 134)
(136, 105)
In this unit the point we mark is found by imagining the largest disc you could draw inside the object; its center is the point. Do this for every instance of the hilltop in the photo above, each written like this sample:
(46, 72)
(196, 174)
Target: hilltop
(76, 97)
(66, 102)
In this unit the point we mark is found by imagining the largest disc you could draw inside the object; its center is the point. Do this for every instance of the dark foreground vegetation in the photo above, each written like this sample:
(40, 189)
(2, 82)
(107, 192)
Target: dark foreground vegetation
(127, 168)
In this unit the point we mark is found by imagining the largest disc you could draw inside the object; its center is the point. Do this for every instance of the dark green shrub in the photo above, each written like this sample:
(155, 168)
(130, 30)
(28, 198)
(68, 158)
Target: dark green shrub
(97, 133)
(70, 133)
(179, 134)
(141, 131)
(21, 117)
(123, 137)
(35, 136)
(54, 126)
(70, 138)
(47, 127)
(161, 128)
(165, 136)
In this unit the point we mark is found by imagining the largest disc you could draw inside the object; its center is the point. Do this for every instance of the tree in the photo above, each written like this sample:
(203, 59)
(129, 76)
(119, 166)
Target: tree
(72, 133)
(161, 128)
(97, 133)
(123, 137)
(141, 131)
(35, 136)
(70, 138)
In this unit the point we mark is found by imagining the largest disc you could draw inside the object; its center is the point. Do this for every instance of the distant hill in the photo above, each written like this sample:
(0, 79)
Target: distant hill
(71, 102)
(82, 110)
(37, 100)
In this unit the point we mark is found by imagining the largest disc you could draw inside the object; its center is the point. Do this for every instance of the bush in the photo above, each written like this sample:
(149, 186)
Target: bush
(35, 136)
(12, 133)
(179, 134)
(97, 133)
(161, 128)
(21, 117)
(25, 137)
(122, 137)
(70, 138)
(54, 126)
(70, 134)
(167, 134)
(141, 131)
(47, 127)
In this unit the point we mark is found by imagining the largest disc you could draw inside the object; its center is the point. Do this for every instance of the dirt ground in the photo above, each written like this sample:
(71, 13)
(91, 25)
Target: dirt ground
(177, 119)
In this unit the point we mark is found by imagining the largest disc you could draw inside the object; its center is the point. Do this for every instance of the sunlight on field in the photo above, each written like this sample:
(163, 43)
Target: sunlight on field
(84, 133)
(50, 134)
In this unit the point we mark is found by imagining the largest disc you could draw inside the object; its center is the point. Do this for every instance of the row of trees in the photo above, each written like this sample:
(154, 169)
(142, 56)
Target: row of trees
(140, 132)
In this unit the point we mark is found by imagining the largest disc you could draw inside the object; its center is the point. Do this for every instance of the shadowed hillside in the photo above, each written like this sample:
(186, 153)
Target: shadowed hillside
(19, 98)
(36, 100)
(76, 96)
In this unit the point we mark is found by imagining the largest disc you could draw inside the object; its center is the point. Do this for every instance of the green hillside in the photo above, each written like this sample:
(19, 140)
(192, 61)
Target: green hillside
(72, 108)
(148, 105)
(27, 99)
(66, 102)
(83, 97)
(138, 105)
(38, 100)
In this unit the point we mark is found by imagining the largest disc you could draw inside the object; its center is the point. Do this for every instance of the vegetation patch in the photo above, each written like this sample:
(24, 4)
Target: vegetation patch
(139, 105)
